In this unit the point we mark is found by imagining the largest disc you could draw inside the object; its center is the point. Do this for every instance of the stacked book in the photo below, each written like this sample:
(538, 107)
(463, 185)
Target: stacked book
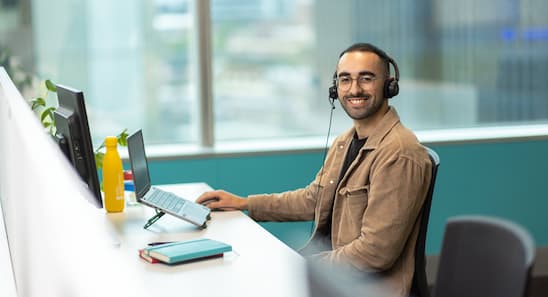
(184, 251)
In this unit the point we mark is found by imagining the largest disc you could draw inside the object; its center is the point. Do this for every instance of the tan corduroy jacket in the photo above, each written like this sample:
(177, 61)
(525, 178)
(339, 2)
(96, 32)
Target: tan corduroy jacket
(374, 209)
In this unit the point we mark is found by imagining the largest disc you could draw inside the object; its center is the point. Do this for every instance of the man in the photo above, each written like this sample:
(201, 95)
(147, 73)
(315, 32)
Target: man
(366, 199)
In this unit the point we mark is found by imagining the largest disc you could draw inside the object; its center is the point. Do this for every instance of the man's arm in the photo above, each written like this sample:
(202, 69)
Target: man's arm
(287, 206)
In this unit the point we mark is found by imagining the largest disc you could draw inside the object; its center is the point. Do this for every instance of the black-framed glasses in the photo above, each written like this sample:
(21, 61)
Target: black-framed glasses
(344, 83)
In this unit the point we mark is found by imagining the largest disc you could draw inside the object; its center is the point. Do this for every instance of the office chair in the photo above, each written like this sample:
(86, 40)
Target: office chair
(419, 286)
(484, 256)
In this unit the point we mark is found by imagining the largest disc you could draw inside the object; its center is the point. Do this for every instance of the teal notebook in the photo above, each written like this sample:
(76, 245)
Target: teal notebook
(181, 251)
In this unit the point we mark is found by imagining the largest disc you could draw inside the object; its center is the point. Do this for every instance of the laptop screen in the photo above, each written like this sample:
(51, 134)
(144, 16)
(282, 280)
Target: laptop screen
(139, 166)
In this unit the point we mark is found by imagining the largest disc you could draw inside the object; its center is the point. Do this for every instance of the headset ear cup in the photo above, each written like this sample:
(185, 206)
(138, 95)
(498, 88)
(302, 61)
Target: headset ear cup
(333, 95)
(391, 88)
(394, 88)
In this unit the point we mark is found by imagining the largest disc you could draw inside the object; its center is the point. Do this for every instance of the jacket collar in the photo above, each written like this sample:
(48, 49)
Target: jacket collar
(389, 120)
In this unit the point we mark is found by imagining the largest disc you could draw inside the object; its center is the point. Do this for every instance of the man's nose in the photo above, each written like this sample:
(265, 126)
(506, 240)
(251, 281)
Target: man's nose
(355, 87)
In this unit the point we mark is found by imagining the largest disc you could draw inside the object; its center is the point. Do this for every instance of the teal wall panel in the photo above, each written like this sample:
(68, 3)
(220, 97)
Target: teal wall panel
(501, 179)
(506, 179)
(241, 175)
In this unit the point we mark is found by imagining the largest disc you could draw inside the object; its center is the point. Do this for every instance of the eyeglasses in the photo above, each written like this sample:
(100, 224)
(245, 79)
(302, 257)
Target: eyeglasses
(344, 83)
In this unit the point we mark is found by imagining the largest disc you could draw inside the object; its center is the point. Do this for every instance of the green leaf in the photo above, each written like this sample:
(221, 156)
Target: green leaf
(48, 112)
(122, 137)
(51, 112)
(51, 86)
(99, 156)
(38, 102)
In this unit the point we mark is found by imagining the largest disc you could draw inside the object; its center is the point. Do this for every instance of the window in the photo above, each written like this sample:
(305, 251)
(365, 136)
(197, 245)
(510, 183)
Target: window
(131, 59)
(264, 77)
(462, 63)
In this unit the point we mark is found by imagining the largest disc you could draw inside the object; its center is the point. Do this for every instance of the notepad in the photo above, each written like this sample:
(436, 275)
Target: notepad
(144, 255)
(182, 251)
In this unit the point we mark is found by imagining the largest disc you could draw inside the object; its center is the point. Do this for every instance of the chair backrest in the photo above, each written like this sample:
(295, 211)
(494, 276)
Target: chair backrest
(484, 256)
(419, 286)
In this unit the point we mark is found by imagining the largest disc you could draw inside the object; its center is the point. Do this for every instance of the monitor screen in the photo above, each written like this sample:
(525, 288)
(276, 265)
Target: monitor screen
(73, 137)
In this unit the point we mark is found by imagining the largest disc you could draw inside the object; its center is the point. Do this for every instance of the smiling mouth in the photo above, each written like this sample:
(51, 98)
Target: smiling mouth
(357, 100)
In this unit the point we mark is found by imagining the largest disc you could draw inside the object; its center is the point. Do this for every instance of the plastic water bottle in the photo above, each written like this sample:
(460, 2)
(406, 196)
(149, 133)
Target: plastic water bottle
(129, 188)
(113, 177)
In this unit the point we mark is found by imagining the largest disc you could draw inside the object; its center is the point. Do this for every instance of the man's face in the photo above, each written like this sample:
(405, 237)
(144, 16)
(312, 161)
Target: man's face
(364, 97)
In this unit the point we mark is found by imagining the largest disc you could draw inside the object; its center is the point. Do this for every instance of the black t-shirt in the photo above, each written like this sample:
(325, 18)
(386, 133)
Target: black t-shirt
(352, 153)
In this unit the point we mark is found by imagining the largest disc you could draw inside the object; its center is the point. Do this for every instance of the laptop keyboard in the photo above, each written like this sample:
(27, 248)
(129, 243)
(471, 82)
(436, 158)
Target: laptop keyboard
(185, 209)
(167, 200)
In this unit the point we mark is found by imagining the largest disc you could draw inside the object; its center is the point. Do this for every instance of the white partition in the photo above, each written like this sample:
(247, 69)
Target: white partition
(7, 282)
(58, 245)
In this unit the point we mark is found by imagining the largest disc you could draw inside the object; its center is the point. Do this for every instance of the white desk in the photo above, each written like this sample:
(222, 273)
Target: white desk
(260, 264)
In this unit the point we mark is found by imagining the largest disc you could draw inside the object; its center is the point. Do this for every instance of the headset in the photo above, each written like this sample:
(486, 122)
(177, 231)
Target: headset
(391, 87)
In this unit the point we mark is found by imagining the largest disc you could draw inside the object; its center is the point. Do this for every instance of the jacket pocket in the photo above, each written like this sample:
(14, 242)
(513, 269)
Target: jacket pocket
(355, 192)
(354, 203)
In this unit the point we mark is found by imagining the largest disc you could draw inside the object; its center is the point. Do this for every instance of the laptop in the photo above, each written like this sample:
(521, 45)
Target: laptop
(162, 201)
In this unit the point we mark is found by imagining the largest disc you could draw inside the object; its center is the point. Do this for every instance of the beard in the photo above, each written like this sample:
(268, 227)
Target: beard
(374, 104)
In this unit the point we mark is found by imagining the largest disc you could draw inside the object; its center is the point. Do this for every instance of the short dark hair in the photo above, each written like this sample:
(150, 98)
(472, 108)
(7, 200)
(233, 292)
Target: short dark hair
(368, 47)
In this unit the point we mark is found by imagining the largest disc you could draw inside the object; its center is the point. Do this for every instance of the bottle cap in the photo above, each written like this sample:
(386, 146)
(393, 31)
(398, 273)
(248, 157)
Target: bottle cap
(111, 141)
(128, 175)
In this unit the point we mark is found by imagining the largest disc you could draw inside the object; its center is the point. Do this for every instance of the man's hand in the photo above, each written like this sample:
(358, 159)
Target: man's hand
(222, 200)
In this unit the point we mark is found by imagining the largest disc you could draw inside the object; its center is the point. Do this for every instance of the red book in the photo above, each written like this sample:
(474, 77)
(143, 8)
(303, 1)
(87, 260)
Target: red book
(146, 257)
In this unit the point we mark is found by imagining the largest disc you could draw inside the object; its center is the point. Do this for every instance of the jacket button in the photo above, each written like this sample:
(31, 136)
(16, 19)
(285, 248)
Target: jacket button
(341, 147)
(331, 181)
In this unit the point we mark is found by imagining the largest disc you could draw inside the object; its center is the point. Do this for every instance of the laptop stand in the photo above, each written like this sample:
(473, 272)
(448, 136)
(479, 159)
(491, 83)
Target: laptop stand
(155, 218)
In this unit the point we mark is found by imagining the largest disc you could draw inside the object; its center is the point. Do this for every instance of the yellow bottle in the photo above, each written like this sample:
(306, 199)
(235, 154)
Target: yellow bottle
(113, 177)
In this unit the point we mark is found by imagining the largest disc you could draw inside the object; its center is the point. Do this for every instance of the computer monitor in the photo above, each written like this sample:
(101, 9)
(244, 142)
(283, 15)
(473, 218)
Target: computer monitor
(73, 137)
